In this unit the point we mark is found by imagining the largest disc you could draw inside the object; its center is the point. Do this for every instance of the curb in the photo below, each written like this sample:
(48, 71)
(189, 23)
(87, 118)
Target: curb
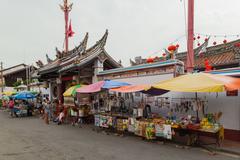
(226, 151)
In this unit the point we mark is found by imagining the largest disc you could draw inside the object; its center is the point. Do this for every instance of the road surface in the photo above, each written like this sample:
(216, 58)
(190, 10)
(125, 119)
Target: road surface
(31, 139)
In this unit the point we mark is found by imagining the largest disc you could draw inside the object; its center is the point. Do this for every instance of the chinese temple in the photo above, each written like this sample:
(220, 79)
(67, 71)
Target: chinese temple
(79, 65)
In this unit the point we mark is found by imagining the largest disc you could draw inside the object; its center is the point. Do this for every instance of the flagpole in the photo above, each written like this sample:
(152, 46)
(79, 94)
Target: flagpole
(190, 51)
(66, 12)
(66, 8)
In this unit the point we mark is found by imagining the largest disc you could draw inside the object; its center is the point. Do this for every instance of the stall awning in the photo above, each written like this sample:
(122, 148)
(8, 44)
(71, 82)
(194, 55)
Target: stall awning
(72, 90)
(140, 88)
(96, 87)
(200, 82)
(131, 88)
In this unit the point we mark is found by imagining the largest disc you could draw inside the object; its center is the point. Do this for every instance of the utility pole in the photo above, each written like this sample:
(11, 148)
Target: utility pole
(2, 81)
(27, 76)
(190, 51)
(66, 8)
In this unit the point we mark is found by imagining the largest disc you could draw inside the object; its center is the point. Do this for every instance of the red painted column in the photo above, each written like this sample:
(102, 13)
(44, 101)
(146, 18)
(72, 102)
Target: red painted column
(190, 51)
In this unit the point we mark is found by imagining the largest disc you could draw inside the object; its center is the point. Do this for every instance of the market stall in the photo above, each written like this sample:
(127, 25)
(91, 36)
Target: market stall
(75, 106)
(24, 105)
(177, 117)
(118, 110)
(209, 124)
(103, 103)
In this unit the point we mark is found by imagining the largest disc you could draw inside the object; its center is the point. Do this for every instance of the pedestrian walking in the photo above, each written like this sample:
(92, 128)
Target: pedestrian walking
(47, 111)
(11, 106)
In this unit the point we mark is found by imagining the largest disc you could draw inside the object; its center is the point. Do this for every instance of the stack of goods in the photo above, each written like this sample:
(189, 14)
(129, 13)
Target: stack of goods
(209, 123)
(206, 124)
(159, 122)
(104, 121)
(109, 121)
(137, 128)
(122, 124)
(142, 128)
(150, 131)
(125, 124)
(97, 120)
(131, 124)
(163, 128)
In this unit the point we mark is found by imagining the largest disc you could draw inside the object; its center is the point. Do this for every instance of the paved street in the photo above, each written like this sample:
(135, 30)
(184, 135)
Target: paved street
(30, 138)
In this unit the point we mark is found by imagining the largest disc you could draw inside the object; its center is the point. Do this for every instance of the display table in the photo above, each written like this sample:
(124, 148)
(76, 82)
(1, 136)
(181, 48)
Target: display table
(195, 134)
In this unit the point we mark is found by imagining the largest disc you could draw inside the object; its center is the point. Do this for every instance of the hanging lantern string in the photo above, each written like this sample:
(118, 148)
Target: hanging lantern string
(195, 34)
(218, 35)
(163, 49)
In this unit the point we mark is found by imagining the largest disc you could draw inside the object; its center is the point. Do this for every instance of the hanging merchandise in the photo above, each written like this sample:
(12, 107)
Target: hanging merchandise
(140, 112)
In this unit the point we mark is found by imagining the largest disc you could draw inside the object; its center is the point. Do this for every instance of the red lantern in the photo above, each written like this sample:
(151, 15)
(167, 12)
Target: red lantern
(224, 41)
(177, 45)
(172, 48)
(198, 44)
(206, 39)
(198, 37)
(194, 38)
(155, 58)
(214, 43)
(150, 60)
(164, 54)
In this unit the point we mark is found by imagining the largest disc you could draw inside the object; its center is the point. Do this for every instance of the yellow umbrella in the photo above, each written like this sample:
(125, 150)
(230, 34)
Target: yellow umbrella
(72, 90)
(9, 93)
(200, 82)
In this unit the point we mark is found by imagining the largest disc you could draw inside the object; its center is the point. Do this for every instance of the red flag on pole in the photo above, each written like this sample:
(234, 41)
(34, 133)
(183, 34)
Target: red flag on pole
(70, 31)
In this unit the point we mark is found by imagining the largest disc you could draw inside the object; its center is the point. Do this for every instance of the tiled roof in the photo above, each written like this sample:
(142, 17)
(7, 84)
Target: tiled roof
(219, 55)
(214, 60)
(14, 69)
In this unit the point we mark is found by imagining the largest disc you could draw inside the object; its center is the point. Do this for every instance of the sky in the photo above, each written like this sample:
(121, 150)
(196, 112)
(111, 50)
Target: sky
(31, 28)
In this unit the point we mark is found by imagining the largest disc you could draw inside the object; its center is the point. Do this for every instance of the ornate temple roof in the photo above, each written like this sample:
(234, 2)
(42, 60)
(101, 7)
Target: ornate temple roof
(218, 56)
(79, 56)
